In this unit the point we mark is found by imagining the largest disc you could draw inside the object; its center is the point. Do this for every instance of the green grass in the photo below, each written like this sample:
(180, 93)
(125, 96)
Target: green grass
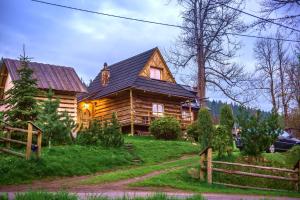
(71, 160)
(66, 196)
(182, 180)
(153, 151)
(137, 171)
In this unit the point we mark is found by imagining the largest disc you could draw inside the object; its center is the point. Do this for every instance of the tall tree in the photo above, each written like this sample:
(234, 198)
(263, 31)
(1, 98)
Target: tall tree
(207, 41)
(21, 100)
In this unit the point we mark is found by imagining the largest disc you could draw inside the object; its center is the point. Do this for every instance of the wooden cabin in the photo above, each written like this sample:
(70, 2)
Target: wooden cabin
(64, 82)
(139, 90)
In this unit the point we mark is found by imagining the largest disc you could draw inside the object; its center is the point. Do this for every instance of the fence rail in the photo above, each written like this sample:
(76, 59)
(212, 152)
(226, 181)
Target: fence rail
(207, 164)
(9, 129)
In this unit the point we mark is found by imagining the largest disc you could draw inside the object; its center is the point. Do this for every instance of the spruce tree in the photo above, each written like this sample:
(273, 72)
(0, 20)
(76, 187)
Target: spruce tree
(227, 120)
(21, 100)
(205, 128)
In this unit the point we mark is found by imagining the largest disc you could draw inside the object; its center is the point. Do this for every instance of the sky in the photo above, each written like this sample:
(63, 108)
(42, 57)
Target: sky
(85, 41)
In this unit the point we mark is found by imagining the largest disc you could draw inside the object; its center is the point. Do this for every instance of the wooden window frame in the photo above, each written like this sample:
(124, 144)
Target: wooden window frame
(187, 115)
(158, 114)
(160, 70)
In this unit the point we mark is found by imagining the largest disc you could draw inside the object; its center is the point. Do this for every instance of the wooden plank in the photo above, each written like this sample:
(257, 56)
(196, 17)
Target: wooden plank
(29, 141)
(209, 166)
(131, 113)
(8, 137)
(255, 166)
(39, 144)
(12, 152)
(17, 129)
(13, 141)
(247, 187)
(227, 171)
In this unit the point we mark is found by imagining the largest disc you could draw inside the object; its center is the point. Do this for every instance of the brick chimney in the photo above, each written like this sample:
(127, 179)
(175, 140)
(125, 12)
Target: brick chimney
(105, 75)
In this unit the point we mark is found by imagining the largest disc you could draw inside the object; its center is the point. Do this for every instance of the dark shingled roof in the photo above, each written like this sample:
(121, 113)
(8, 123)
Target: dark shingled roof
(125, 74)
(58, 78)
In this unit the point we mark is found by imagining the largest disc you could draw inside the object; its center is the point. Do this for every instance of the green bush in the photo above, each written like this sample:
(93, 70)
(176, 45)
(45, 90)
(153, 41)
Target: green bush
(257, 133)
(90, 135)
(167, 128)
(192, 131)
(112, 134)
(205, 127)
(221, 141)
(293, 155)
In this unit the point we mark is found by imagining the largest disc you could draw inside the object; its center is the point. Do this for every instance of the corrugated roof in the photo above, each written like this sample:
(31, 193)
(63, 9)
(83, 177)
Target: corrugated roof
(58, 78)
(125, 74)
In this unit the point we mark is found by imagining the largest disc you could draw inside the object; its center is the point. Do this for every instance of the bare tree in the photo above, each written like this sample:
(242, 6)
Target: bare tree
(294, 80)
(280, 11)
(266, 69)
(208, 46)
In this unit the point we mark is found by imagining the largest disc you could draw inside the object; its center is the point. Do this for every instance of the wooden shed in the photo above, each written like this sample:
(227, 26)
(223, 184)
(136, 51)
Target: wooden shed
(139, 90)
(64, 82)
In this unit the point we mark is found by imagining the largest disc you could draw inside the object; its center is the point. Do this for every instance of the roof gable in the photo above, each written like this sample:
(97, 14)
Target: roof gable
(157, 61)
(58, 78)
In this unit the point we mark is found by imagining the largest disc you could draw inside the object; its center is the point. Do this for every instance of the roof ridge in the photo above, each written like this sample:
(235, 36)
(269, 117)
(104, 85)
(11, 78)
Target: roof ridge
(54, 65)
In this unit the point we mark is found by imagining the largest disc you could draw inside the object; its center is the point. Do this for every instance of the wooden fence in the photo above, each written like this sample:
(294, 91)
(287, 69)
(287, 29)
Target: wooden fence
(207, 164)
(8, 130)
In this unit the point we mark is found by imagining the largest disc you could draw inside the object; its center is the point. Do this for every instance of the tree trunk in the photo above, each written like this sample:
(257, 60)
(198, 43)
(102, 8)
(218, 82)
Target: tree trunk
(201, 78)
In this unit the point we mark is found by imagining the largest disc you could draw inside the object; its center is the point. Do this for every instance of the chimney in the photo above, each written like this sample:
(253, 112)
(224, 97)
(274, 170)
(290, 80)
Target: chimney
(105, 75)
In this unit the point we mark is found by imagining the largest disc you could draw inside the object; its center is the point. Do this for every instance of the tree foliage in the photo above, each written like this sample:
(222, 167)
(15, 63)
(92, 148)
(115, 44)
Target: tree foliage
(222, 142)
(193, 131)
(257, 133)
(23, 106)
(167, 128)
(56, 126)
(112, 134)
(205, 127)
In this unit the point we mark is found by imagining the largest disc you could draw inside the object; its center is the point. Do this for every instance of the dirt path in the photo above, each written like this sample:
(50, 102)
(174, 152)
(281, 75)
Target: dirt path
(74, 183)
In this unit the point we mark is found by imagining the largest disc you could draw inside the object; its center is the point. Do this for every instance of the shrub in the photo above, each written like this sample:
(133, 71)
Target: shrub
(90, 135)
(257, 133)
(192, 131)
(205, 127)
(167, 128)
(112, 134)
(221, 141)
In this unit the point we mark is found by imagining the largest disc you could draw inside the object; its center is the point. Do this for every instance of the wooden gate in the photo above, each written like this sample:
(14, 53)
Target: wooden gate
(8, 130)
(207, 164)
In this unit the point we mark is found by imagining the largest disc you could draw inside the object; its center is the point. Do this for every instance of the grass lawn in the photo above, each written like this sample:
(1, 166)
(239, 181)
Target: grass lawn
(137, 171)
(73, 160)
(181, 179)
(66, 196)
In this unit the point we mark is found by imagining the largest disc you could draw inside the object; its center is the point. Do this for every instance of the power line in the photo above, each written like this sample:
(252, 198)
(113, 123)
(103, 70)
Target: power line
(154, 22)
(257, 17)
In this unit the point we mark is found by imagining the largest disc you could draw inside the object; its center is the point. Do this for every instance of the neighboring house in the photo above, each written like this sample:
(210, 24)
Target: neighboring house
(138, 89)
(62, 80)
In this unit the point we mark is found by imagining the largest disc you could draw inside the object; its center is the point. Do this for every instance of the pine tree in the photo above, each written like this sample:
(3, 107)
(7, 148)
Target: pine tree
(56, 127)
(21, 100)
(227, 120)
(112, 134)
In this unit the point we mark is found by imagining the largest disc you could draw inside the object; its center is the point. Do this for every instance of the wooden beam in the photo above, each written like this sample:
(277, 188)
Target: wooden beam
(12, 152)
(209, 165)
(190, 109)
(12, 140)
(29, 141)
(131, 113)
(247, 187)
(39, 144)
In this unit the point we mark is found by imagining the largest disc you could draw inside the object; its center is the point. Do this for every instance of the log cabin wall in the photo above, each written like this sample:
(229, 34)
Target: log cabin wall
(118, 103)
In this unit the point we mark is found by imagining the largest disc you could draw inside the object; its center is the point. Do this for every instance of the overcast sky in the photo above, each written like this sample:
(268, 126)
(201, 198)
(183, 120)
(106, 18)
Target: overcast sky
(85, 41)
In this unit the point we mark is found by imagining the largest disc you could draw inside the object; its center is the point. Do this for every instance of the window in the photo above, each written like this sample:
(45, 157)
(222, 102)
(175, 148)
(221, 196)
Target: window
(155, 73)
(157, 109)
(186, 115)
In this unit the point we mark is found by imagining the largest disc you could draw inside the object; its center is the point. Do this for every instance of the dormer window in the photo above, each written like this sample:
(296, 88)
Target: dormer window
(155, 73)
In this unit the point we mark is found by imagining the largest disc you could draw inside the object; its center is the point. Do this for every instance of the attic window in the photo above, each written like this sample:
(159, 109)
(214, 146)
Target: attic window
(155, 73)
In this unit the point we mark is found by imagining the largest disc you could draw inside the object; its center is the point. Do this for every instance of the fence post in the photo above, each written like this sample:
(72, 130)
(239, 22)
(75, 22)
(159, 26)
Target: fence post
(209, 165)
(8, 136)
(29, 141)
(202, 158)
(39, 144)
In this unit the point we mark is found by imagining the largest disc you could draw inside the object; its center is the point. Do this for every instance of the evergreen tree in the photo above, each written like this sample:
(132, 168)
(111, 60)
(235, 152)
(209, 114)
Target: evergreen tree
(21, 100)
(112, 134)
(227, 120)
(56, 127)
(205, 127)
